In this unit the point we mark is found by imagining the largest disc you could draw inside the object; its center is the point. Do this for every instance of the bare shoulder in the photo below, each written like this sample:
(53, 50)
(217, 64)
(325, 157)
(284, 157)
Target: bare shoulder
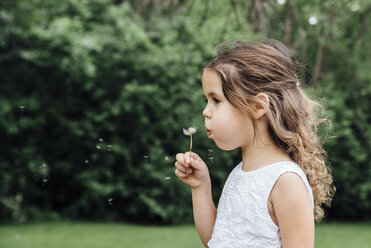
(293, 210)
(290, 187)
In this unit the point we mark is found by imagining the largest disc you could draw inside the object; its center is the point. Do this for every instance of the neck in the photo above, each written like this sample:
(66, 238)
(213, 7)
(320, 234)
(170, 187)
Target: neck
(262, 152)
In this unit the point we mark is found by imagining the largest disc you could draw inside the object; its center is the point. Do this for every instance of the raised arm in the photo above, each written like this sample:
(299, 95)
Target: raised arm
(196, 174)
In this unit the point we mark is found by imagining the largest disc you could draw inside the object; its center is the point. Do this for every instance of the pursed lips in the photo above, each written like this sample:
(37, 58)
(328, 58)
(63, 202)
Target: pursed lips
(208, 131)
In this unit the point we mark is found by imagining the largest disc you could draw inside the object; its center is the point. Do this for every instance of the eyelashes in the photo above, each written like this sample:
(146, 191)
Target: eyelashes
(215, 100)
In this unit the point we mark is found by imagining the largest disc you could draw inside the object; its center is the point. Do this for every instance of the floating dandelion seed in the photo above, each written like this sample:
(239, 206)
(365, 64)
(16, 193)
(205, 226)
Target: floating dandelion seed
(146, 156)
(312, 20)
(98, 147)
(189, 131)
(281, 1)
(110, 200)
(166, 158)
(167, 178)
(22, 107)
(100, 139)
(17, 236)
(211, 159)
(109, 148)
(44, 181)
(43, 171)
(354, 7)
(86, 161)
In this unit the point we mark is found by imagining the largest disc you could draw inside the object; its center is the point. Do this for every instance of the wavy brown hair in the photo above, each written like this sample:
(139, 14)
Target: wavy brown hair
(247, 69)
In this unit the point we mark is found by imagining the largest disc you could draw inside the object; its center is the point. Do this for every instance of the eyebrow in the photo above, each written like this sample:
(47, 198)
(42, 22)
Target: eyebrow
(212, 94)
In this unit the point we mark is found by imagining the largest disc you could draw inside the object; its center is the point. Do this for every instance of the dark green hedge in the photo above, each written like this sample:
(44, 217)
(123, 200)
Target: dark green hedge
(94, 96)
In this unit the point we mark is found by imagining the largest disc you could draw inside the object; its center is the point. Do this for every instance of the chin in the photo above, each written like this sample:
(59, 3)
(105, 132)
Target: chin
(225, 147)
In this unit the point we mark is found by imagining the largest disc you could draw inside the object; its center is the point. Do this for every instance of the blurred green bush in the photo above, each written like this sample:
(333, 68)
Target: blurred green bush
(95, 93)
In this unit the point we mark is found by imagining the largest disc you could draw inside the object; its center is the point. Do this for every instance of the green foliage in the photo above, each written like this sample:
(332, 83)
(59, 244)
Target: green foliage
(95, 93)
(90, 96)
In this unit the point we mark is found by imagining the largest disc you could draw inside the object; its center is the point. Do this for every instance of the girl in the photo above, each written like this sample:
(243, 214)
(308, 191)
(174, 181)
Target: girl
(272, 197)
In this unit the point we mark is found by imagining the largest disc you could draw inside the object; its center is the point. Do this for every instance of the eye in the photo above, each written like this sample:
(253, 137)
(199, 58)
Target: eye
(216, 100)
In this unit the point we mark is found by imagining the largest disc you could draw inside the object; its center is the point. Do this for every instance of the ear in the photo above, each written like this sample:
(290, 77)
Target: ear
(258, 108)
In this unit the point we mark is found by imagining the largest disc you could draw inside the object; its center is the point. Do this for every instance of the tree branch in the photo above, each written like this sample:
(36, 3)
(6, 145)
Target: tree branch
(319, 54)
(288, 24)
(258, 16)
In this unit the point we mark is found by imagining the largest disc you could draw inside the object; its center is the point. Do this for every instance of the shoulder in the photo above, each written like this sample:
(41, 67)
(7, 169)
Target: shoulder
(291, 201)
(288, 187)
(293, 209)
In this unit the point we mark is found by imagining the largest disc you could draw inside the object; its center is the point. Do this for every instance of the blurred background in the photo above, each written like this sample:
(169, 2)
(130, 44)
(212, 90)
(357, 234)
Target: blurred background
(94, 95)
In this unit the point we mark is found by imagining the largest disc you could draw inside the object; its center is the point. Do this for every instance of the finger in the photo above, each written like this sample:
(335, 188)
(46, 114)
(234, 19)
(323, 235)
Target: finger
(180, 167)
(178, 173)
(195, 162)
(198, 165)
(187, 158)
(185, 161)
(194, 156)
(181, 159)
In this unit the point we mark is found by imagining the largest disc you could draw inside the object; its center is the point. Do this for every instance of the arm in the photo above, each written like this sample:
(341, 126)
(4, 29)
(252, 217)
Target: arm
(204, 212)
(294, 212)
(196, 174)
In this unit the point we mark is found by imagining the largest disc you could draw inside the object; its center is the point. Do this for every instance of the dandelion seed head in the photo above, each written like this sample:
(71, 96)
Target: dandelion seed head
(189, 131)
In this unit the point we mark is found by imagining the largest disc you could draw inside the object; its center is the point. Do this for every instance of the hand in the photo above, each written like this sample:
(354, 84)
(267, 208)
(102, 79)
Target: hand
(192, 170)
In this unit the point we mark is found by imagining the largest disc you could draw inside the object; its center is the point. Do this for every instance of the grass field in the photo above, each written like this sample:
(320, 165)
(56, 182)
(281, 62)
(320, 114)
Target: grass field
(103, 235)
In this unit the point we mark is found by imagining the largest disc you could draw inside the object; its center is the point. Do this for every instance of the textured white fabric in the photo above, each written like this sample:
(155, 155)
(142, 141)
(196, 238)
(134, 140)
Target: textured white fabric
(242, 218)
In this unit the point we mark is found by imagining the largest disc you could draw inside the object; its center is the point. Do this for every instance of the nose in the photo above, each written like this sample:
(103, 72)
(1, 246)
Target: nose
(206, 112)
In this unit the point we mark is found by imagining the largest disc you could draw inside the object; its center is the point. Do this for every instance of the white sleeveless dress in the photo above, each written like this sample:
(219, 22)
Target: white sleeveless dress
(242, 218)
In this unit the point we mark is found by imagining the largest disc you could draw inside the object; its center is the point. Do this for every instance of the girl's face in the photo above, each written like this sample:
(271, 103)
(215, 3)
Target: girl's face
(229, 127)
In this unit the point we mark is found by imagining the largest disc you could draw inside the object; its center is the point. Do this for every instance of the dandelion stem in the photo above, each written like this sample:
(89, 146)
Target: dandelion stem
(190, 149)
(189, 132)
